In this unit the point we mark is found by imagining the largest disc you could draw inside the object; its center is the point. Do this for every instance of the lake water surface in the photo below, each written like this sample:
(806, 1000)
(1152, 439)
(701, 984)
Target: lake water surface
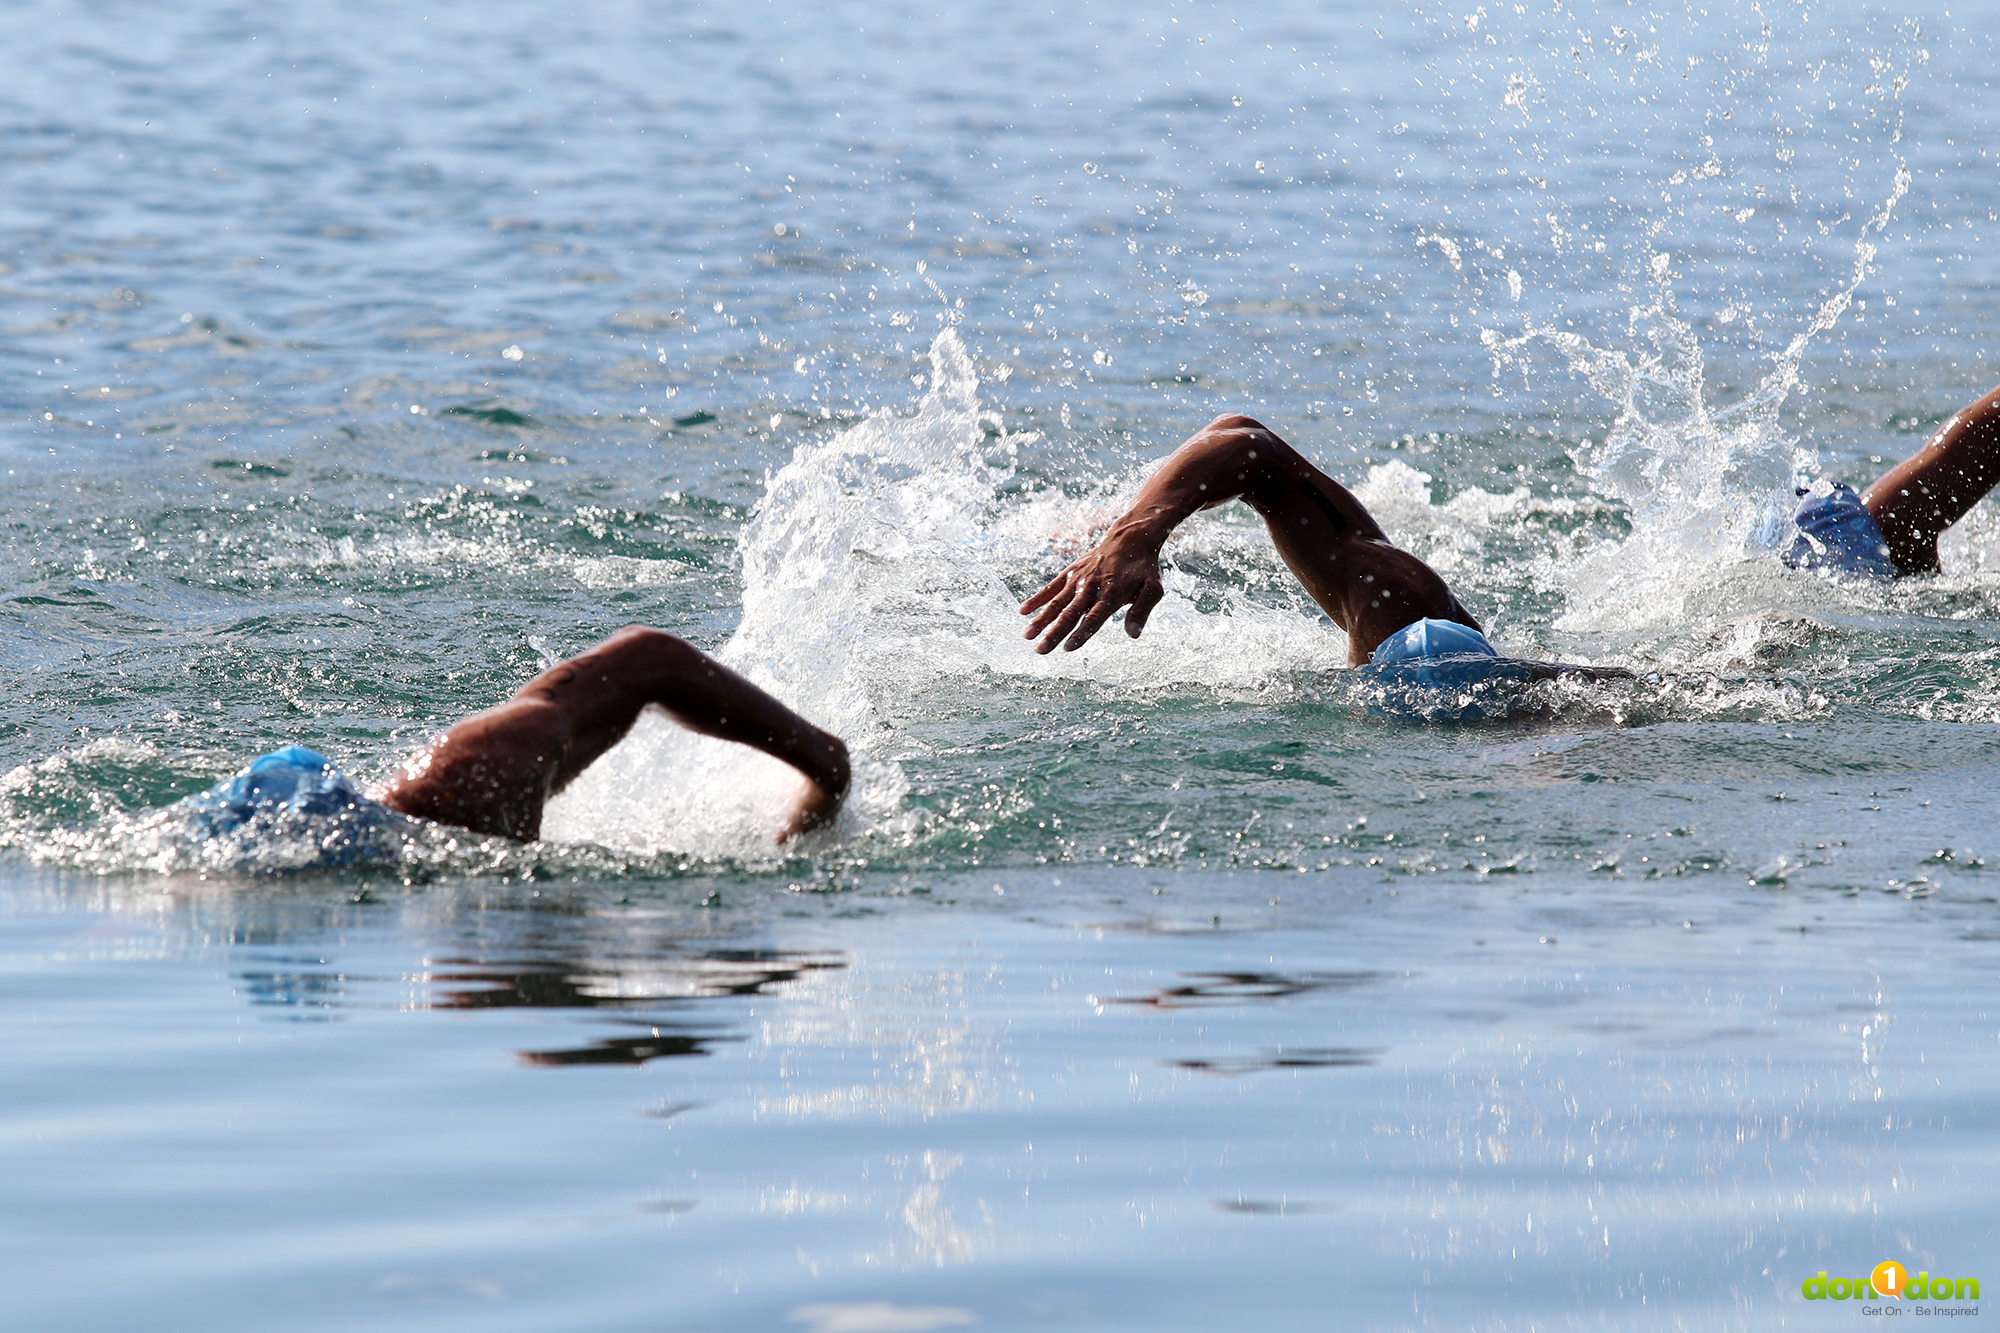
(355, 360)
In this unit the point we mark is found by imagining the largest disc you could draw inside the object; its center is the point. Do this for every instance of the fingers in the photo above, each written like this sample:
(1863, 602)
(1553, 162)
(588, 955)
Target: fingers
(1049, 589)
(1052, 613)
(1060, 604)
(1142, 608)
(1084, 608)
(1077, 603)
(1093, 622)
(1064, 618)
(1050, 601)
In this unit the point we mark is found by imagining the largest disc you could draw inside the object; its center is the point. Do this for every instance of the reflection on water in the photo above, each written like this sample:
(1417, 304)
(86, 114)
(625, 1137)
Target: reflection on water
(930, 1056)
(663, 979)
(307, 995)
(463, 983)
(1270, 1207)
(951, 1094)
(1298, 1057)
(658, 1042)
(672, 977)
(935, 1238)
(1223, 988)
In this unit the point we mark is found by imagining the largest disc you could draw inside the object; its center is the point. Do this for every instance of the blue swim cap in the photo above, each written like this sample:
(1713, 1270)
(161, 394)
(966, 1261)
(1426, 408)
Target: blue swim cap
(292, 780)
(1428, 640)
(1837, 533)
(1441, 671)
(290, 810)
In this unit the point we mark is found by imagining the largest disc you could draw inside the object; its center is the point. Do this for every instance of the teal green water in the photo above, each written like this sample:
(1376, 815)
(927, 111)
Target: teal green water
(353, 364)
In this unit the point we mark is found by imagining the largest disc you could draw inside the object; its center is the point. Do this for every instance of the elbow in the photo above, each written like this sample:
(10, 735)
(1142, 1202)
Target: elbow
(1246, 443)
(641, 649)
(646, 636)
(1233, 423)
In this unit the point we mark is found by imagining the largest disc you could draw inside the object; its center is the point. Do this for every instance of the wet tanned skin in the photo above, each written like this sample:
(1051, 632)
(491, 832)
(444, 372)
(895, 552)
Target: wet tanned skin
(1926, 493)
(493, 772)
(1325, 536)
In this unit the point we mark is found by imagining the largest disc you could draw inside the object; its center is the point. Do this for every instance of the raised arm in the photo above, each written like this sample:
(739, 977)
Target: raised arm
(493, 771)
(1935, 487)
(1324, 535)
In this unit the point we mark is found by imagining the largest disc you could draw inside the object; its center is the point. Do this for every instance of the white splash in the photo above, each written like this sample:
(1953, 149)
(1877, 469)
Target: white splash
(1707, 489)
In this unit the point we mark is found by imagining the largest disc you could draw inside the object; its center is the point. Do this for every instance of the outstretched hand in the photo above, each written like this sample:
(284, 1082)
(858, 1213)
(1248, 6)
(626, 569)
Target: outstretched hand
(1118, 572)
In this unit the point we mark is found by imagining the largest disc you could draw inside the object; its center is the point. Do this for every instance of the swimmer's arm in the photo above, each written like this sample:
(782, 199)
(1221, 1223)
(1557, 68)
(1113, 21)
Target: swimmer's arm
(600, 693)
(745, 714)
(1232, 458)
(727, 706)
(1935, 487)
(1237, 458)
(492, 771)
(706, 697)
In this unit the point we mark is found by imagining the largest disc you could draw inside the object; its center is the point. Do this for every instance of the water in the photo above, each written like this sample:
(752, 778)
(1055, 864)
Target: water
(355, 362)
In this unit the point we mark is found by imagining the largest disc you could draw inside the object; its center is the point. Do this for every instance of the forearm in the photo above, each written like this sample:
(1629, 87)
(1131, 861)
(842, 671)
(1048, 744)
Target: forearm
(723, 704)
(603, 690)
(715, 701)
(1235, 458)
(1939, 484)
(821, 756)
(1963, 454)
(1979, 419)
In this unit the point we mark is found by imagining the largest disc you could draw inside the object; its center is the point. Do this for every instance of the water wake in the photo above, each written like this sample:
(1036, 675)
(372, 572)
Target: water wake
(883, 566)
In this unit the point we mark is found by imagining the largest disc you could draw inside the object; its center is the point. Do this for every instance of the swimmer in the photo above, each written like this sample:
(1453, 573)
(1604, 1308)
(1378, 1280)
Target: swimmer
(1892, 528)
(493, 772)
(1394, 607)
